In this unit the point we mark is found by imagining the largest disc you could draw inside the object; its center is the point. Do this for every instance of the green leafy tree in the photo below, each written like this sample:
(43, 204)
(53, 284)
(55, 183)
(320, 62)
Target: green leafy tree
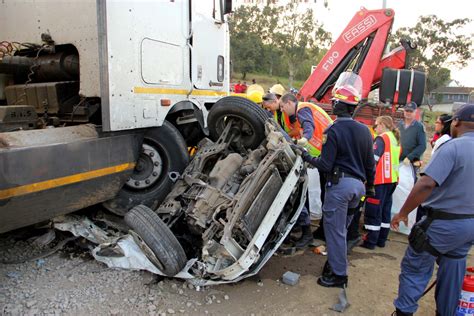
(440, 45)
(296, 35)
(246, 46)
(247, 50)
(266, 39)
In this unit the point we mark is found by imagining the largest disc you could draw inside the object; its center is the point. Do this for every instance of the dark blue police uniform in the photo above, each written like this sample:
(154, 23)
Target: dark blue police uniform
(347, 147)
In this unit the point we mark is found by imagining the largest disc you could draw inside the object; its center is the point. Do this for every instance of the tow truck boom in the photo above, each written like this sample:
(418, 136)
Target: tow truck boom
(359, 48)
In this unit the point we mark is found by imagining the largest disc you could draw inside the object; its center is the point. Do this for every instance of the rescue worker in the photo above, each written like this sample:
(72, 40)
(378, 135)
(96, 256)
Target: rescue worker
(446, 234)
(278, 90)
(378, 208)
(255, 96)
(347, 159)
(306, 122)
(272, 105)
(255, 88)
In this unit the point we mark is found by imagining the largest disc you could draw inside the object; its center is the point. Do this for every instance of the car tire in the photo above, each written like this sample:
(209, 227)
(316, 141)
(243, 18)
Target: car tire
(250, 120)
(168, 146)
(158, 238)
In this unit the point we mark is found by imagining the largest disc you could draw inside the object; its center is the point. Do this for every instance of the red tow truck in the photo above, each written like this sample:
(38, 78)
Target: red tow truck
(360, 48)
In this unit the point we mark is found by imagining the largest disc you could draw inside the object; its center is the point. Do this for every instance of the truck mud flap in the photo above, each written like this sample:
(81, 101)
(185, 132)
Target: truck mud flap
(46, 173)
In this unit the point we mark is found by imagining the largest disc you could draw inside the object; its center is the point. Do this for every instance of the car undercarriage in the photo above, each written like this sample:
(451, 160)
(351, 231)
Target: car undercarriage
(231, 208)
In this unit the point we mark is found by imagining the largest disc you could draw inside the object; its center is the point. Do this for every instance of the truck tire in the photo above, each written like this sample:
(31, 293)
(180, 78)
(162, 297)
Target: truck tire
(167, 252)
(163, 158)
(248, 118)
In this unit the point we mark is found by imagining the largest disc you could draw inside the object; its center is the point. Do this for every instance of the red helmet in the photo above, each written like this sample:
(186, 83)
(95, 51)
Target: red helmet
(346, 94)
(348, 88)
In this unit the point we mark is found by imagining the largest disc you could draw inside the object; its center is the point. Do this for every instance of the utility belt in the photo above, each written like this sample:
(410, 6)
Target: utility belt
(333, 177)
(418, 238)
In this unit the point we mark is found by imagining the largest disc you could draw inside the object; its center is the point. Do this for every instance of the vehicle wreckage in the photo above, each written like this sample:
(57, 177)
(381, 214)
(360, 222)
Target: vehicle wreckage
(230, 209)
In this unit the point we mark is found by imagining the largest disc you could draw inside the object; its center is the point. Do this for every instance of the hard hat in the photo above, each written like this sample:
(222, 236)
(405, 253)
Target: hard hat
(255, 96)
(348, 88)
(277, 89)
(346, 94)
(255, 87)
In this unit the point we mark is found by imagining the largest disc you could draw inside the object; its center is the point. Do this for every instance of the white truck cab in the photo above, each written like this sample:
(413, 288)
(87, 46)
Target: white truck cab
(121, 88)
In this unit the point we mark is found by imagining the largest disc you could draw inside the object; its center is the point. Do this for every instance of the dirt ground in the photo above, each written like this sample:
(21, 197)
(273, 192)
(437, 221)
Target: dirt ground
(70, 282)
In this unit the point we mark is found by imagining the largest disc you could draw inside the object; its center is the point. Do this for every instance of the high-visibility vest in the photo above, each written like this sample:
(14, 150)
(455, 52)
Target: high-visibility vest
(321, 121)
(284, 121)
(387, 166)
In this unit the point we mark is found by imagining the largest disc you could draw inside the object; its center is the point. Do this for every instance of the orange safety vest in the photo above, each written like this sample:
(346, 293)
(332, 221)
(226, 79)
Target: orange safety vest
(284, 121)
(387, 166)
(321, 122)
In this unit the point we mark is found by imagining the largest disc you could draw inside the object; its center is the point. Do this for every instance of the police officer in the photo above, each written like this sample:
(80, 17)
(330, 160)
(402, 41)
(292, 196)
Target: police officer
(347, 158)
(446, 234)
(306, 122)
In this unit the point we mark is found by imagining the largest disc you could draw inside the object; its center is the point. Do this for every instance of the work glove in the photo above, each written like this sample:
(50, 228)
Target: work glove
(303, 141)
(406, 161)
(369, 190)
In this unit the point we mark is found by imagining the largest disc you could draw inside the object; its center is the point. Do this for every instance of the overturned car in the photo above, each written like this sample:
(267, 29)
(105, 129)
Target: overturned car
(234, 204)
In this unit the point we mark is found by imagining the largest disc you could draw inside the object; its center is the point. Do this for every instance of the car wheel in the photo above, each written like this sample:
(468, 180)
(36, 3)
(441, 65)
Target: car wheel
(162, 159)
(245, 115)
(156, 239)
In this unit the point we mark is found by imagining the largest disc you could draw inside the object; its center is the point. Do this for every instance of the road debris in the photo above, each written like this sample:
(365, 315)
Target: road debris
(290, 278)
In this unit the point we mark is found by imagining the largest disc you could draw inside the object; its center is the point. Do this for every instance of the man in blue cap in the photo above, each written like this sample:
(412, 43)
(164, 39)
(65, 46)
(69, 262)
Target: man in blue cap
(412, 136)
(446, 234)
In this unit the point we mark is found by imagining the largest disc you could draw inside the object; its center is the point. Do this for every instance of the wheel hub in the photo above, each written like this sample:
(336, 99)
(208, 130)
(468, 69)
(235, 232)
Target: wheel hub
(148, 168)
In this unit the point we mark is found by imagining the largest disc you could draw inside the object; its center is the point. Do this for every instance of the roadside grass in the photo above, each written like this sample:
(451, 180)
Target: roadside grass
(266, 81)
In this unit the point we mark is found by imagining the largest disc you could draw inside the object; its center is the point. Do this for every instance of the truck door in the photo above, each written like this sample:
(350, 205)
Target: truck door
(209, 45)
(144, 57)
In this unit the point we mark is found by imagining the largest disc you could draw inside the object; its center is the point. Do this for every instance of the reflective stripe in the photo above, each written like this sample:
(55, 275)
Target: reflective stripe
(372, 227)
(373, 201)
(53, 183)
(385, 225)
(321, 121)
(387, 165)
(150, 90)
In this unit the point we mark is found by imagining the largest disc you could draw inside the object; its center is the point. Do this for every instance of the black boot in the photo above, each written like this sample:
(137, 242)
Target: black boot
(327, 271)
(306, 238)
(400, 313)
(333, 280)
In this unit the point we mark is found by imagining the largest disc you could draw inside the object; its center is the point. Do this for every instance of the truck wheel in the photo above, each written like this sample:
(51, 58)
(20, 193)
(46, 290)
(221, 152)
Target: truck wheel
(246, 116)
(163, 157)
(156, 239)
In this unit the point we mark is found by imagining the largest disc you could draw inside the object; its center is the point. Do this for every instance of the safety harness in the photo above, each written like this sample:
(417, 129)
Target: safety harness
(418, 238)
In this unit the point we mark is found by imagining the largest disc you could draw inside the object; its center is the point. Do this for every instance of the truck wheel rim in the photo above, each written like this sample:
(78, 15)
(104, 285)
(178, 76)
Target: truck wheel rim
(148, 169)
(241, 124)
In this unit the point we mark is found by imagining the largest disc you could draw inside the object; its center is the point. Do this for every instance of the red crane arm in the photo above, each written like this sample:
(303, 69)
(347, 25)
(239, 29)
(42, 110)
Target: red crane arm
(359, 47)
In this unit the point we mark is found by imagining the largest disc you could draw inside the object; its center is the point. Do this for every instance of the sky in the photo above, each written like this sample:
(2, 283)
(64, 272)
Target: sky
(340, 12)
